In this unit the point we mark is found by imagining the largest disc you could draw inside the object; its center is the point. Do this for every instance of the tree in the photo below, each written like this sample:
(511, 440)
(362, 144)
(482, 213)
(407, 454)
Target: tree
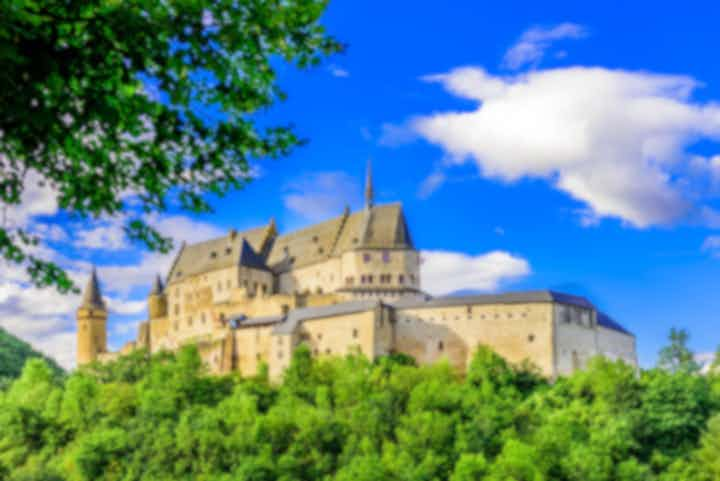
(13, 354)
(677, 357)
(100, 99)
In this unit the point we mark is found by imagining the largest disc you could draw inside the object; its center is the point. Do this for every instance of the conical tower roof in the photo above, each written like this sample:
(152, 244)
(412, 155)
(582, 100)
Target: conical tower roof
(92, 297)
(369, 192)
(158, 287)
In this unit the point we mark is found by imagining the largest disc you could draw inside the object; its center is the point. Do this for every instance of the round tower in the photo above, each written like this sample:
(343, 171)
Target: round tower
(91, 323)
(157, 300)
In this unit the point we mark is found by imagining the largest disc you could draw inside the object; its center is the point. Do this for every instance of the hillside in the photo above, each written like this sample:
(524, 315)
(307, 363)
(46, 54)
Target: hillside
(13, 354)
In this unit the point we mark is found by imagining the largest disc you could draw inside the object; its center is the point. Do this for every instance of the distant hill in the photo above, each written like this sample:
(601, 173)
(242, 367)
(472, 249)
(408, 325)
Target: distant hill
(13, 354)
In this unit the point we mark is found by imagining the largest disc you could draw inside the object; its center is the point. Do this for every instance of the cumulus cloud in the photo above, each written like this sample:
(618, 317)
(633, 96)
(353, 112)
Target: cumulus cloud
(533, 43)
(444, 272)
(321, 195)
(614, 140)
(46, 318)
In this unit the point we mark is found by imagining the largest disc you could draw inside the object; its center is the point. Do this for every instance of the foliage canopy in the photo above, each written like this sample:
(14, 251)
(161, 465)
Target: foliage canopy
(161, 418)
(101, 99)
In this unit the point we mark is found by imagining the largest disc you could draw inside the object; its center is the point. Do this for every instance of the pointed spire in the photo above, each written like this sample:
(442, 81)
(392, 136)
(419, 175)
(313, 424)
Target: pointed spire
(92, 297)
(369, 193)
(158, 287)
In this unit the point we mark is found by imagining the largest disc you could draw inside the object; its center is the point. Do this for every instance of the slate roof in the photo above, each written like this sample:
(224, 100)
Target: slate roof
(519, 297)
(92, 297)
(222, 252)
(609, 323)
(296, 316)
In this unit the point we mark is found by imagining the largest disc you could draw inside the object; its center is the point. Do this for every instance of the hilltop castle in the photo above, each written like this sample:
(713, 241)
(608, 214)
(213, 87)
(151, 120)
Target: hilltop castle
(349, 284)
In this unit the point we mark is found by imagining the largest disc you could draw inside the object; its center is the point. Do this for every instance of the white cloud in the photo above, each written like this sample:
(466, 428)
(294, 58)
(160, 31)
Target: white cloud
(711, 245)
(431, 183)
(336, 71)
(444, 272)
(533, 43)
(319, 196)
(612, 139)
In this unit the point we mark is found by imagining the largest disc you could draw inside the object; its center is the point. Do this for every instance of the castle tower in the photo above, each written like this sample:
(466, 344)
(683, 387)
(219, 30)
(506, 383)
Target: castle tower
(91, 323)
(157, 300)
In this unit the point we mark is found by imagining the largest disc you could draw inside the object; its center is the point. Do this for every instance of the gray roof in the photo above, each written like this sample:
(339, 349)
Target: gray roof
(609, 323)
(241, 321)
(158, 287)
(520, 297)
(296, 316)
(92, 297)
(221, 253)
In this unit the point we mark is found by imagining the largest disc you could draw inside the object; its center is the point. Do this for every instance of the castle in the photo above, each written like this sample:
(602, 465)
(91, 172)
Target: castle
(349, 284)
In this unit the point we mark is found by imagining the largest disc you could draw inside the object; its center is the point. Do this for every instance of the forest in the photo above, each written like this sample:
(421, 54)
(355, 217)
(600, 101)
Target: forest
(162, 417)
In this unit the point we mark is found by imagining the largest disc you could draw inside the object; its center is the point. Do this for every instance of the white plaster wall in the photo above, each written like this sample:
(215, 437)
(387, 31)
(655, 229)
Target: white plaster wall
(617, 345)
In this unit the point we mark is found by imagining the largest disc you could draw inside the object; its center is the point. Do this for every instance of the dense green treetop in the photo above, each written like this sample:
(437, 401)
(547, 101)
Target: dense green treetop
(13, 354)
(102, 99)
(162, 418)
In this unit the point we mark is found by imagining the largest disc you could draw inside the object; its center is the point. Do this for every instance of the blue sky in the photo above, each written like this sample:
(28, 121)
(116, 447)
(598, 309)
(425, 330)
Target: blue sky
(534, 145)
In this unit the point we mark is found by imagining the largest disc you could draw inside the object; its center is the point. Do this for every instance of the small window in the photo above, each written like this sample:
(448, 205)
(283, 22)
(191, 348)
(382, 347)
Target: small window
(315, 238)
(189, 321)
(292, 260)
(213, 255)
(386, 257)
(202, 318)
(228, 250)
(401, 279)
(319, 335)
(177, 309)
(229, 284)
(258, 356)
(219, 286)
(328, 351)
(355, 333)
(355, 240)
(370, 278)
(286, 249)
(320, 250)
(177, 325)
(469, 310)
(441, 346)
(367, 257)
(280, 354)
(412, 278)
(531, 337)
(319, 290)
(350, 280)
